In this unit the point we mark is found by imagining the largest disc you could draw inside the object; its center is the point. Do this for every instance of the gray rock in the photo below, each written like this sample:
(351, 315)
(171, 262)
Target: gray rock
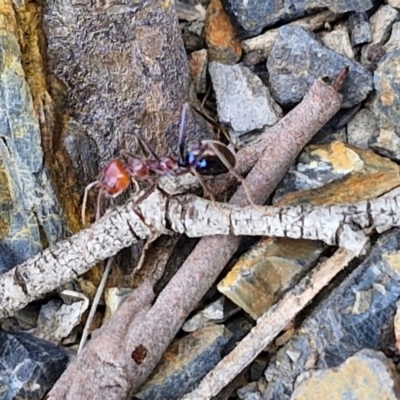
(243, 100)
(298, 58)
(338, 40)
(216, 312)
(394, 42)
(382, 22)
(371, 54)
(362, 128)
(29, 366)
(394, 4)
(360, 28)
(249, 392)
(386, 81)
(387, 143)
(254, 15)
(340, 326)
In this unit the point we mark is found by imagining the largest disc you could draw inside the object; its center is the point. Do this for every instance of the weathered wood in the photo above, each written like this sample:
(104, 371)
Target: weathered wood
(346, 225)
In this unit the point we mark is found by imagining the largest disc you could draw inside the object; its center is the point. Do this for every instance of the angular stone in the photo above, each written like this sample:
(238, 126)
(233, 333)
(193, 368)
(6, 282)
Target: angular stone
(336, 329)
(265, 272)
(386, 80)
(297, 59)
(198, 70)
(366, 375)
(394, 42)
(217, 311)
(185, 363)
(249, 392)
(254, 16)
(243, 100)
(371, 54)
(386, 143)
(362, 128)
(57, 320)
(192, 35)
(29, 366)
(190, 12)
(223, 45)
(394, 4)
(382, 22)
(257, 49)
(337, 173)
(360, 28)
(338, 40)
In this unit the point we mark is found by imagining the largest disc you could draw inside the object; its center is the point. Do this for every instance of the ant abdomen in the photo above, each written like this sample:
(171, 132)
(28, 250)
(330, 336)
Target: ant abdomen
(114, 179)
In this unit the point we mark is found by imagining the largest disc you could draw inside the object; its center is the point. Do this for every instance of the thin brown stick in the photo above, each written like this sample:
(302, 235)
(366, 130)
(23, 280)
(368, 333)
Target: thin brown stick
(269, 326)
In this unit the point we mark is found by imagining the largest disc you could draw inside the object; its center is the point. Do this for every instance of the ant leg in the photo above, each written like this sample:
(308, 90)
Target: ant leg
(207, 191)
(236, 175)
(99, 197)
(87, 189)
(146, 146)
(146, 194)
(136, 184)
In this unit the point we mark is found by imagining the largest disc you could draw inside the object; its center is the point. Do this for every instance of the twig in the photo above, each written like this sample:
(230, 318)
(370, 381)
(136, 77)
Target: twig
(342, 225)
(96, 300)
(269, 325)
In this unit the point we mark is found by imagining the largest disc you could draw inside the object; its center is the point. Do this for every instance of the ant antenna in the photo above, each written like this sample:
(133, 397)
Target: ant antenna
(182, 135)
(146, 146)
(230, 168)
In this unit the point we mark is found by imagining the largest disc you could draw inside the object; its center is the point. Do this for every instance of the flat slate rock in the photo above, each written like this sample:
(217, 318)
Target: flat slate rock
(185, 363)
(298, 58)
(357, 315)
(253, 16)
(29, 366)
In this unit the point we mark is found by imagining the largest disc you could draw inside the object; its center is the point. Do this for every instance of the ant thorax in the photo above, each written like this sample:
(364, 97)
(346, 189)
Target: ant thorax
(138, 168)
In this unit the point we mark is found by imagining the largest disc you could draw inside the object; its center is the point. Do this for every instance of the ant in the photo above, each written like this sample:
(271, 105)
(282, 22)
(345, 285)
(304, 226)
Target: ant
(208, 157)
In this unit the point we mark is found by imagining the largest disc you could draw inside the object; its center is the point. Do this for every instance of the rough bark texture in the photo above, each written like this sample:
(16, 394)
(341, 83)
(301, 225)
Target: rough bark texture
(115, 67)
(344, 225)
(203, 266)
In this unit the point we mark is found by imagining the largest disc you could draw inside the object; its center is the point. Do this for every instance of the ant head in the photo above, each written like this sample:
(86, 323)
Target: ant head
(211, 158)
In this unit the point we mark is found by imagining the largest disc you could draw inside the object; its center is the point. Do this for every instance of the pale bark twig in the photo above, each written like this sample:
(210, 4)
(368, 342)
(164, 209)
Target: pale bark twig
(269, 326)
(344, 225)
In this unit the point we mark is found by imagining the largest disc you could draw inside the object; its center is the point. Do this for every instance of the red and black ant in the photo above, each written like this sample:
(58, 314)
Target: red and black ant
(208, 157)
